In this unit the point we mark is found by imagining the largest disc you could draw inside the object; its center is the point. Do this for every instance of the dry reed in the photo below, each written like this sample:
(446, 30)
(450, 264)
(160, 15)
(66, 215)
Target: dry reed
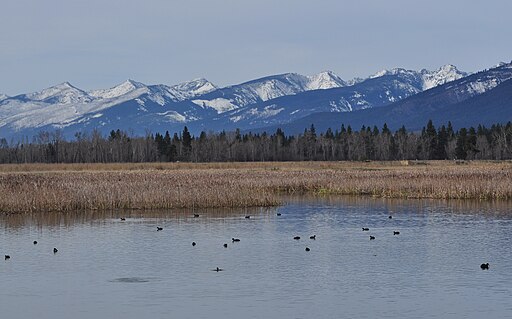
(38, 187)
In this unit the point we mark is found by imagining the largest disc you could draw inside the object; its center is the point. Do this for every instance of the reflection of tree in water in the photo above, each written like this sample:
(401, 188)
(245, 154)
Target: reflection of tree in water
(69, 219)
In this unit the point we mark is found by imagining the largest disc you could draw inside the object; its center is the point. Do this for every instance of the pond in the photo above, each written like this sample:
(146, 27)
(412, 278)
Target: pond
(106, 267)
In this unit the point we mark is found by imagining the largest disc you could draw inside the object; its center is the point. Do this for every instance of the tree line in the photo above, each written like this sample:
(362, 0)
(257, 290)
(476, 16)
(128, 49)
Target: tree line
(343, 144)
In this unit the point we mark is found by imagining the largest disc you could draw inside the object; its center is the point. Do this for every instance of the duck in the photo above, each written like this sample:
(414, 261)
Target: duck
(218, 269)
(278, 214)
(484, 266)
(396, 233)
(235, 239)
(312, 237)
(55, 250)
(372, 237)
(35, 242)
(123, 219)
(196, 215)
(366, 229)
(7, 257)
(296, 237)
(248, 216)
(390, 217)
(159, 228)
(307, 249)
(225, 245)
(193, 243)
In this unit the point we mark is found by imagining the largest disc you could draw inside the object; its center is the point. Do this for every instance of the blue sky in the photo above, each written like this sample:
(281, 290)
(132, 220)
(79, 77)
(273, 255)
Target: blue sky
(100, 43)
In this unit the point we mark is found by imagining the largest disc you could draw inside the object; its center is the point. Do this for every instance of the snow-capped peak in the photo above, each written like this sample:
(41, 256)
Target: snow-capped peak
(190, 89)
(324, 80)
(394, 71)
(119, 90)
(62, 93)
(444, 74)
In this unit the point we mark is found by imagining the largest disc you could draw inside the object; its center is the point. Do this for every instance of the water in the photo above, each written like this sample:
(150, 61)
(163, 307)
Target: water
(108, 268)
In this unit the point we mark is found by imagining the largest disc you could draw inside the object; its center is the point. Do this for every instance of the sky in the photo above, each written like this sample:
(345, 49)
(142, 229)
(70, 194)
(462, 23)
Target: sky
(100, 43)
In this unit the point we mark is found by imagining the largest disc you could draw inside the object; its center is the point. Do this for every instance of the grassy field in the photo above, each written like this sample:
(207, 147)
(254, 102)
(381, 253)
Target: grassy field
(63, 187)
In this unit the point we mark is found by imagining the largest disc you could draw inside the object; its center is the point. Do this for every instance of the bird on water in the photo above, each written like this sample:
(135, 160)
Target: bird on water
(7, 257)
(235, 239)
(312, 237)
(307, 249)
(196, 215)
(193, 243)
(396, 233)
(35, 242)
(372, 237)
(159, 228)
(366, 229)
(484, 266)
(296, 237)
(225, 245)
(55, 250)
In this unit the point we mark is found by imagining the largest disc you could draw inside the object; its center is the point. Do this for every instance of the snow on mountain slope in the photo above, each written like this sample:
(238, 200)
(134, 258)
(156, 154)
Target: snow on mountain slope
(324, 80)
(119, 90)
(61, 93)
(191, 89)
(445, 74)
(427, 79)
(267, 88)
(3, 97)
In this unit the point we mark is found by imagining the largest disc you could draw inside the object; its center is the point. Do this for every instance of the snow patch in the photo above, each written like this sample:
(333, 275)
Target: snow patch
(220, 105)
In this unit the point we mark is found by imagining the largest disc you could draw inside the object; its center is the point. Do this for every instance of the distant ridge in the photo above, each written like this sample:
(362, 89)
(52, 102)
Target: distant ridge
(287, 100)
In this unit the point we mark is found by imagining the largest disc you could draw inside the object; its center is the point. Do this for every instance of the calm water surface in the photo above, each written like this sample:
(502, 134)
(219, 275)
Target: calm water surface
(108, 268)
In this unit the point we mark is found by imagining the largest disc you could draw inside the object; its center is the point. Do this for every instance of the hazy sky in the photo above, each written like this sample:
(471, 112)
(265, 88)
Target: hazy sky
(100, 43)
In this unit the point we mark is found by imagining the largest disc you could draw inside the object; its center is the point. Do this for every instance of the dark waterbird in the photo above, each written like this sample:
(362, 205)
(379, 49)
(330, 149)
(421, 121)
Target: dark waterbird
(55, 250)
(218, 269)
(366, 229)
(248, 216)
(390, 217)
(193, 243)
(484, 266)
(278, 214)
(396, 233)
(312, 237)
(235, 239)
(225, 245)
(296, 237)
(307, 249)
(196, 215)
(123, 219)
(35, 242)
(7, 257)
(159, 228)
(372, 237)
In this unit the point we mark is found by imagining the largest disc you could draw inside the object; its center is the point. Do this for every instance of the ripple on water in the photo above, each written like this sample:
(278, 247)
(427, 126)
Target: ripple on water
(132, 280)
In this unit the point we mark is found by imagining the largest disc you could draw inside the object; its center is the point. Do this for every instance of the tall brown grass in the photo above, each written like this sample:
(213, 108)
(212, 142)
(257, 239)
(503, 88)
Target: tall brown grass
(61, 187)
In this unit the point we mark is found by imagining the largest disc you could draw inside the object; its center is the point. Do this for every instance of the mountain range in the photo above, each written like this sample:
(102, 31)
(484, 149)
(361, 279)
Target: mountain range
(291, 101)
